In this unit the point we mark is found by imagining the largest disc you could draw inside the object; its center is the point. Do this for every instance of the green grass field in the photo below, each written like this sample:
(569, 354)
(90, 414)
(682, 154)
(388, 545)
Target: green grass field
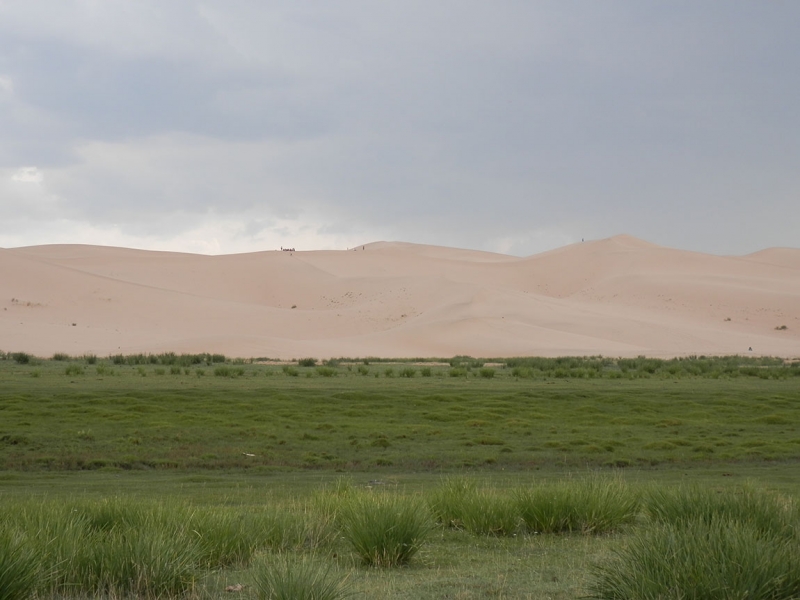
(293, 449)
(71, 415)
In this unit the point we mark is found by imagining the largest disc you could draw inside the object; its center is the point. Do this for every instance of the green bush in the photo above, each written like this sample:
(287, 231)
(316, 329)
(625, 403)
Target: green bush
(326, 371)
(700, 560)
(408, 372)
(61, 357)
(307, 362)
(21, 358)
(291, 371)
(487, 372)
(385, 530)
(74, 370)
(285, 578)
(425, 371)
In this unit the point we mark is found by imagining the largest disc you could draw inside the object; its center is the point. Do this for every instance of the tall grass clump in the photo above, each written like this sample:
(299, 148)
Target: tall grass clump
(144, 562)
(448, 503)
(459, 503)
(19, 567)
(590, 506)
(285, 578)
(761, 510)
(233, 538)
(384, 530)
(700, 560)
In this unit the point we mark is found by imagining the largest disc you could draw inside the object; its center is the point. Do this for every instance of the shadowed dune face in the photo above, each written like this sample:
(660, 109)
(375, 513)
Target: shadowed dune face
(619, 297)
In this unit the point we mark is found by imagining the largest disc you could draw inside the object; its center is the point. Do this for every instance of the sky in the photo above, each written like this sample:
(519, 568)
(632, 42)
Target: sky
(512, 126)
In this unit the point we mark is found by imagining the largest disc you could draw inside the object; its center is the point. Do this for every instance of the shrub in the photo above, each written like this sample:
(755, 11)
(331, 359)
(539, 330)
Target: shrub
(21, 358)
(307, 362)
(74, 370)
(385, 530)
(389, 372)
(291, 371)
(287, 578)
(487, 372)
(408, 372)
(425, 371)
(61, 356)
(326, 371)
(698, 560)
(90, 359)
(363, 370)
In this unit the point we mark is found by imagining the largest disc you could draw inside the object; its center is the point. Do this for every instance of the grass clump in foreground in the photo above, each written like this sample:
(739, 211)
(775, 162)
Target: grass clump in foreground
(767, 513)
(385, 530)
(19, 567)
(460, 504)
(590, 506)
(292, 578)
(697, 560)
(703, 544)
(593, 506)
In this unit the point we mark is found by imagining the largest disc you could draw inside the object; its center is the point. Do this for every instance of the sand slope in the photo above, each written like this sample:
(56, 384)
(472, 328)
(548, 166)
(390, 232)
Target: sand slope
(617, 297)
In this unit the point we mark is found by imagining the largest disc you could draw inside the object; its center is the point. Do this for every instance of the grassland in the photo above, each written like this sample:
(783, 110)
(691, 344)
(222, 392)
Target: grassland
(69, 415)
(484, 450)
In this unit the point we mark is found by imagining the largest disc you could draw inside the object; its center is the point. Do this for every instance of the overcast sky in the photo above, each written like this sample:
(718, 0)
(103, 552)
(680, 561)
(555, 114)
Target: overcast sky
(513, 125)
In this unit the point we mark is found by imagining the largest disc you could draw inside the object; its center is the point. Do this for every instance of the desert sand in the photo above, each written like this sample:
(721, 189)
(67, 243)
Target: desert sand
(614, 297)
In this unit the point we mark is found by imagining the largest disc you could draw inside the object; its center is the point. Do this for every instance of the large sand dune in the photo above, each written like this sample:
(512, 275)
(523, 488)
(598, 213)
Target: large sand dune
(617, 297)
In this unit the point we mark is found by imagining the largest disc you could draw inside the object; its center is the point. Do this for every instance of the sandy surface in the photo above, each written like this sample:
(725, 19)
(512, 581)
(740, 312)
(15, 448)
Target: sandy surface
(616, 297)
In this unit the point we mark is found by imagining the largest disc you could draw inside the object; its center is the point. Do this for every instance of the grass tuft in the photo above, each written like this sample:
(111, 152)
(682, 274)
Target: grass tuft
(765, 512)
(292, 578)
(700, 560)
(591, 506)
(385, 530)
(19, 567)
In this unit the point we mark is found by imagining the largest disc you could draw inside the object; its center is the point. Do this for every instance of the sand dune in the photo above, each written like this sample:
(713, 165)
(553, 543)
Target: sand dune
(617, 297)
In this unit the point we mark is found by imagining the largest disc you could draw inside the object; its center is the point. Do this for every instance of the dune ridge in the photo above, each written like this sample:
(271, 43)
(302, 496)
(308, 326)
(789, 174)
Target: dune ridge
(619, 296)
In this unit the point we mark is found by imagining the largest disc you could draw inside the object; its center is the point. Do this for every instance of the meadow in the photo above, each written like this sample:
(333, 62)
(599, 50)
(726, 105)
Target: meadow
(181, 476)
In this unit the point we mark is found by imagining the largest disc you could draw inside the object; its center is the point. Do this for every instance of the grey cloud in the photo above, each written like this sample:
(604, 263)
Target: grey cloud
(462, 122)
